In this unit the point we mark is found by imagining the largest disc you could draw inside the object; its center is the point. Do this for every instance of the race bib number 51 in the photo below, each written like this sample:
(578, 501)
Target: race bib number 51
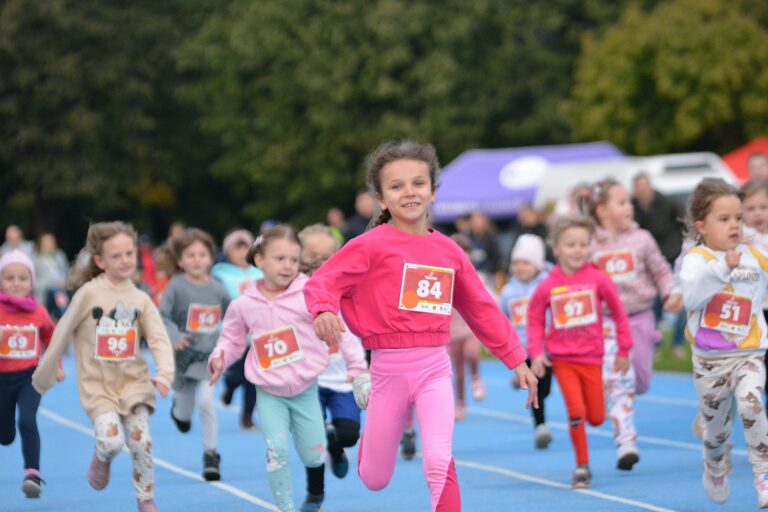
(116, 343)
(17, 342)
(574, 309)
(427, 289)
(728, 313)
(276, 348)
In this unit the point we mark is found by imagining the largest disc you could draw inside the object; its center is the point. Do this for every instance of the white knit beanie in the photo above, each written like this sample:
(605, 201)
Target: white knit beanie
(17, 256)
(529, 248)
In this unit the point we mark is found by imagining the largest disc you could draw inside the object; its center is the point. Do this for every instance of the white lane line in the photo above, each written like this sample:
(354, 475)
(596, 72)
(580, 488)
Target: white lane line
(164, 464)
(526, 420)
(558, 485)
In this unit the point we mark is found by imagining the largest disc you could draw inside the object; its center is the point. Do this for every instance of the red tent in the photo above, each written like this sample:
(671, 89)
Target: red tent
(737, 159)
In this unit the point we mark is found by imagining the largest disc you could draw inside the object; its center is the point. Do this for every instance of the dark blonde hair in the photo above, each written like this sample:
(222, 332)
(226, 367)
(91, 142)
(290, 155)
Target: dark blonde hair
(281, 231)
(179, 244)
(392, 151)
(98, 233)
(753, 187)
(701, 200)
(567, 222)
(599, 194)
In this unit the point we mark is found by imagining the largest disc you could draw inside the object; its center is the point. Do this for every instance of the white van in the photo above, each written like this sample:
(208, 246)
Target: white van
(674, 175)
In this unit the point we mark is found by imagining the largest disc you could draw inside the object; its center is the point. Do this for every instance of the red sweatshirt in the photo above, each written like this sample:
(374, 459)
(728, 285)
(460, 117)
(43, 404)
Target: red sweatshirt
(574, 301)
(398, 290)
(23, 333)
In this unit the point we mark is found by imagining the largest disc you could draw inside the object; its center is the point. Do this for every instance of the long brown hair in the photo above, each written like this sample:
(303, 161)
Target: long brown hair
(393, 150)
(701, 200)
(98, 233)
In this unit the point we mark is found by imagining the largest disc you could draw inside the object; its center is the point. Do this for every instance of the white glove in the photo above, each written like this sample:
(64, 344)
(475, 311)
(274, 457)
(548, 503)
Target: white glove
(361, 389)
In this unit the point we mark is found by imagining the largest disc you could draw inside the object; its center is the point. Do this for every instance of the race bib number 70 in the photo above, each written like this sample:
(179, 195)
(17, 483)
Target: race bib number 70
(276, 348)
(427, 289)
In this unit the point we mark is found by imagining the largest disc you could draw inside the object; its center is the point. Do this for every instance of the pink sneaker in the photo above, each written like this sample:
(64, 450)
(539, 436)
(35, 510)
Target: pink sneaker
(478, 388)
(147, 506)
(98, 473)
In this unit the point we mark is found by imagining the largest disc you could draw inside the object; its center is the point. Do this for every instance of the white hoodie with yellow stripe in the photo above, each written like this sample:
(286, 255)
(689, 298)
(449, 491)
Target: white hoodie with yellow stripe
(725, 312)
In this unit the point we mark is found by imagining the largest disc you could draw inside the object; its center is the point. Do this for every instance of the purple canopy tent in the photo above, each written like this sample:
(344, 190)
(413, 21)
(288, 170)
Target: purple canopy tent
(500, 181)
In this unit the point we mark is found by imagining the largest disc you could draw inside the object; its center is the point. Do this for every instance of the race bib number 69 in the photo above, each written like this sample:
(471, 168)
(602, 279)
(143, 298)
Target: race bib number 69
(427, 289)
(18, 342)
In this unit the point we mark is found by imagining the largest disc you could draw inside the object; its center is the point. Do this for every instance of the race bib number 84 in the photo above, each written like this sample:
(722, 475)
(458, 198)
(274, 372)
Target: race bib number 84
(202, 318)
(427, 289)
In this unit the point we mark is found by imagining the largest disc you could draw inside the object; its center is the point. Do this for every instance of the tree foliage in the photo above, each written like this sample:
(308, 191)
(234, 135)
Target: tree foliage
(688, 75)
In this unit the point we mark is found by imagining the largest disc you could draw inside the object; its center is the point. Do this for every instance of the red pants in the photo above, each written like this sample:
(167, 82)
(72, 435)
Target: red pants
(582, 388)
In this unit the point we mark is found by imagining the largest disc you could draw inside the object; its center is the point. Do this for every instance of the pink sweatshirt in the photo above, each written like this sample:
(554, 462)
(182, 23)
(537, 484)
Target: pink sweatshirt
(635, 263)
(574, 301)
(397, 290)
(285, 356)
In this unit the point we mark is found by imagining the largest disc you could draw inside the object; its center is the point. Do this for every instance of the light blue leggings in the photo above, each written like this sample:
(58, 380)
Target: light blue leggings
(301, 416)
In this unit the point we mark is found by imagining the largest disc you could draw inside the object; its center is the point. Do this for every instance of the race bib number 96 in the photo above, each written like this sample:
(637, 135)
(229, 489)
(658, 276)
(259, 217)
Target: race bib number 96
(116, 343)
(18, 342)
(427, 289)
(728, 313)
(276, 348)
(574, 309)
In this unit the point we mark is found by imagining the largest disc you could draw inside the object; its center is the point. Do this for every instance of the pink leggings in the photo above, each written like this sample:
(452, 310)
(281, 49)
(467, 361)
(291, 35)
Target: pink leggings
(400, 380)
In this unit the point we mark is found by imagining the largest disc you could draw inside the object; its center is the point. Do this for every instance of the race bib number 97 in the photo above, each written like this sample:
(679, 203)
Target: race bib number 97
(18, 342)
(427, 289)
(116, 343)
(728, 313)
(276, 348)
(574, 309)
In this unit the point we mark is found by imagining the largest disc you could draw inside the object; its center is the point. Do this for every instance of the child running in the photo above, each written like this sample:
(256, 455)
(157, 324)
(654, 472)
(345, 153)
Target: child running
(192, 308)
(284, 360)
(724, 285)
(632, 259)
(107, 317)
(396, 286)
(465, 348)
(318, 244)
(528, 271)
(573, 294)
(25, 328)
(237, 274)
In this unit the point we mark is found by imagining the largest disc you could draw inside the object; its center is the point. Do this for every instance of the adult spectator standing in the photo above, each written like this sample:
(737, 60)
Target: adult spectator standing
(757, 166)
(485, 248)
(357, 223)
(660, 215)
(14, 239)
(51, 267)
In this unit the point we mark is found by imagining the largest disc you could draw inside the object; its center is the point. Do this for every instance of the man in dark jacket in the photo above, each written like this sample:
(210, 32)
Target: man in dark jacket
(660, 215)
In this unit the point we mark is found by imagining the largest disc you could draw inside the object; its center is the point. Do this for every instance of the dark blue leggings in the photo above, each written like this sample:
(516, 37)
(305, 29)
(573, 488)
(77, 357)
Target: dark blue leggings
(16, 388)
(235, 377)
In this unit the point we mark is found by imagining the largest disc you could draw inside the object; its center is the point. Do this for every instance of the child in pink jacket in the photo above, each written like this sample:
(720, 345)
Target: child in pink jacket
(396, 286)
(284, 360)
(574, 292)
(632, 259)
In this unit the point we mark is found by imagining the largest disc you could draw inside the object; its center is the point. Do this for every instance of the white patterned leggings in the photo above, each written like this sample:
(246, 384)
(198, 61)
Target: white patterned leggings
(110, 440)
(718, 381)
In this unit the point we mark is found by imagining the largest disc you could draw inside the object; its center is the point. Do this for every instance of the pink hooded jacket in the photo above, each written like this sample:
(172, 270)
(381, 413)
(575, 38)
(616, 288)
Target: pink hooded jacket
(634, 262)
(280, 362)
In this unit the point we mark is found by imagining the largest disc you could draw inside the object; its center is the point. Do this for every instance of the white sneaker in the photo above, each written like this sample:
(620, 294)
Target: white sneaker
(542, 436)
(761, 485)
(716, 487)
(627, 456)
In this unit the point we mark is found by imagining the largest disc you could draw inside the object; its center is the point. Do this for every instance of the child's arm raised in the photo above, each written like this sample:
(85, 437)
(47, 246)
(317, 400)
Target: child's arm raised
(702, 275)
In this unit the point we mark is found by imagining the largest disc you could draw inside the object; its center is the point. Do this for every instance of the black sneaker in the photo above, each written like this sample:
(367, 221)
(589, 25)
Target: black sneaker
(31, 486)
(183, 426)
(408, 444)
(582, 477)
(312, 503)
(226, 395)
(211, 461)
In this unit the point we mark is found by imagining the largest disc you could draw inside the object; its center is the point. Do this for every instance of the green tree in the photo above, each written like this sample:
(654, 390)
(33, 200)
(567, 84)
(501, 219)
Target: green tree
(688, 75)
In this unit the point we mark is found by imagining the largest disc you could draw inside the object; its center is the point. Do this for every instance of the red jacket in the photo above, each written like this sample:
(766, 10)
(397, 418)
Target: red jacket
(23, 333)
(575, 303)
(398, 290)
